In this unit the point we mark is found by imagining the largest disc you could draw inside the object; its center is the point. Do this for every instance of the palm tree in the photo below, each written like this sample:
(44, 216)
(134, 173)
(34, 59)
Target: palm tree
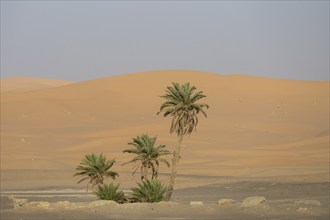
(181, 104)
(95, 168)
(148, 156)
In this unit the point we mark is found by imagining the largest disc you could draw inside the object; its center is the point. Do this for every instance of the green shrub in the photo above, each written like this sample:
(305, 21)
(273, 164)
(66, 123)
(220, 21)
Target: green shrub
(109, 192)
(149, 191)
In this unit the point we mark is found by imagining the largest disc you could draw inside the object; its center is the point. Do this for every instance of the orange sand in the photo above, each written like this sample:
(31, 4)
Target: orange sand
(255, 126)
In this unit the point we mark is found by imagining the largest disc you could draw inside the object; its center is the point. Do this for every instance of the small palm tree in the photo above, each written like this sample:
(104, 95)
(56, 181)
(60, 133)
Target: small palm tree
(149, 191)
(95, 168)
(110, 192)
(181, 104)
(148, 156)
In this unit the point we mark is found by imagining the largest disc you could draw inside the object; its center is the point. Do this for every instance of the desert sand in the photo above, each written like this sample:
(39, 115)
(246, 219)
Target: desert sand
(274, 131)
(19, 84)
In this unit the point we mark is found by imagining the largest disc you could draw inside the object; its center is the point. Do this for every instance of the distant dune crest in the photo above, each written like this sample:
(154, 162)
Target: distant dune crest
(23, 84)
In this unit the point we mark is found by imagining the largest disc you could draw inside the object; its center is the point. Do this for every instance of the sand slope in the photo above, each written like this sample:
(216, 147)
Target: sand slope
(255, 126)
(15, 84)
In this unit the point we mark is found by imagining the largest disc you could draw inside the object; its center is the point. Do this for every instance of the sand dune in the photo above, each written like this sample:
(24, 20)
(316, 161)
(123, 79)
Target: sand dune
(255, 126)
(16, 84)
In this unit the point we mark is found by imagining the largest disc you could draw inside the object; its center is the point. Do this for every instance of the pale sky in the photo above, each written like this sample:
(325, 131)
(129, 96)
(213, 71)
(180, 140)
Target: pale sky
(81, 40)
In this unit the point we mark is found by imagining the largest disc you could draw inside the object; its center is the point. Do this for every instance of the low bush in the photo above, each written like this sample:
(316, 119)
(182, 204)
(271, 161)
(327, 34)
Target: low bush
(149, 191)
(110, 192)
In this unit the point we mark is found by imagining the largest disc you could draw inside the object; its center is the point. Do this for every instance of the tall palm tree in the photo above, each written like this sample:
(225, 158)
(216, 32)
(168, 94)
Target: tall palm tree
(147, 155)
(95, 168)
(181, 104)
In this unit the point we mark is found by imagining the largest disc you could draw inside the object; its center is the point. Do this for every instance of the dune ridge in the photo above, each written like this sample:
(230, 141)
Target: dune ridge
(255, 126)
(23, 83)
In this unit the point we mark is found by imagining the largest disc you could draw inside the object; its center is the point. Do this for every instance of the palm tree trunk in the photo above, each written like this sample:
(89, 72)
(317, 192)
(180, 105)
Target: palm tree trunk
(142, 172)
(153, 173)
(145, 173)
(175, 161)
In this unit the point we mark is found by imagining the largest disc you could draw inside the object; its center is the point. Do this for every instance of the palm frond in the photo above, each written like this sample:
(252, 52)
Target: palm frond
(149, 191)
(146, 152)
(181, 103)
(95, 168)
(110, 192)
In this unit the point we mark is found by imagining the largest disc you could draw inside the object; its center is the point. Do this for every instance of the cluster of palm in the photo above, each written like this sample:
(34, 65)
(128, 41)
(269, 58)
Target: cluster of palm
(96, 168)
(181, 104)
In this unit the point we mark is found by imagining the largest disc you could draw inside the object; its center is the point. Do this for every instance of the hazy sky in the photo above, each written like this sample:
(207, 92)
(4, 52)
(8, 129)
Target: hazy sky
(79, 40)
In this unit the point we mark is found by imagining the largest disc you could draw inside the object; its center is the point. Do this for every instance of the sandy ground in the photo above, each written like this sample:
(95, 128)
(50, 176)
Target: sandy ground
(288, 197)
(282, 194)
(263, 137)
